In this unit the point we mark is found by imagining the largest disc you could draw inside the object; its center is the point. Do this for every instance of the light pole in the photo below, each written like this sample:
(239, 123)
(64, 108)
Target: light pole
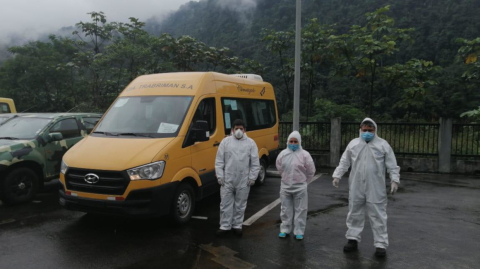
(296, 86)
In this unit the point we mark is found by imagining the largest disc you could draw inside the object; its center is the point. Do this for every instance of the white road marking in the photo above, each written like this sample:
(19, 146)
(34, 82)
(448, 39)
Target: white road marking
(269, 207)
(199, 217)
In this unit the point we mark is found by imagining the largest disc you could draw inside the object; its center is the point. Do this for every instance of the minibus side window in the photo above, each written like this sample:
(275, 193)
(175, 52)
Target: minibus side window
(257, 114)
(205, 111)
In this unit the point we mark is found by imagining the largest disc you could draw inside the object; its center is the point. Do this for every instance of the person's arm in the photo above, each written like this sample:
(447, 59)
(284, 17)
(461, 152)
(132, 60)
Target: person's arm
(278, 163)
(344, 164)
(220, 162)
(254, 162)
(393, 169)
(310, 166)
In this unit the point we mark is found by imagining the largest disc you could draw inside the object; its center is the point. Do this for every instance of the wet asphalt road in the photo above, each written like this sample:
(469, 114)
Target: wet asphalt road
(434, 222)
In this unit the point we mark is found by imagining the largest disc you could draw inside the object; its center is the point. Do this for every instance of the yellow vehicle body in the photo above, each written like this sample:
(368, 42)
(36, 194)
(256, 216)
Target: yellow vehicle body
(7, 106)
(223, 98)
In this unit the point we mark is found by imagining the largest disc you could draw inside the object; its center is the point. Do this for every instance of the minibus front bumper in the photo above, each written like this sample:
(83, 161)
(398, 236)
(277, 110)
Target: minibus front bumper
(151, 202)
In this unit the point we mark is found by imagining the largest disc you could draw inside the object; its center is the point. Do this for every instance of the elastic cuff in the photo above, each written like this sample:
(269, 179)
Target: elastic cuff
(353, 238)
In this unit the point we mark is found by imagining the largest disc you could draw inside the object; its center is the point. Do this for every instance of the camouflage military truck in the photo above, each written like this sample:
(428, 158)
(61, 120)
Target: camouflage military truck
(32, 147)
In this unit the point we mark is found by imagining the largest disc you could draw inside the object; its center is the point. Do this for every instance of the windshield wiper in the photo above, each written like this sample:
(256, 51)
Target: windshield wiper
(105, 133)
(9, 138)
(135, 134)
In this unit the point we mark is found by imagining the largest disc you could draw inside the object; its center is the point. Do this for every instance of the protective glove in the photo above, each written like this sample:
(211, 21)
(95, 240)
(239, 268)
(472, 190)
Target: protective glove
(394, 187)
(251, 182)
(335, 182)
(221, 181)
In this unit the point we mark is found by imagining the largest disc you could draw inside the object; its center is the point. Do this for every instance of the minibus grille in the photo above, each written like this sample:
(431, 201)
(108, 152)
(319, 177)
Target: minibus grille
(108, 182)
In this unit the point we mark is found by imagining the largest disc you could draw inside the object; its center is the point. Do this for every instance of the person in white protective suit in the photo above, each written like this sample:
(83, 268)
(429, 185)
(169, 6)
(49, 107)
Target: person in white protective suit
(297, 169)
(237, 166)
(370, 157)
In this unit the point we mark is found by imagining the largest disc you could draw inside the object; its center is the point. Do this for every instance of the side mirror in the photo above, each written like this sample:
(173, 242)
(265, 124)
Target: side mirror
(55, 137)
(200, 130)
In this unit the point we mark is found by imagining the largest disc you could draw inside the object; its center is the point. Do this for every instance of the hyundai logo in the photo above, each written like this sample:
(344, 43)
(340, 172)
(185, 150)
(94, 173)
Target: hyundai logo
(91, 178)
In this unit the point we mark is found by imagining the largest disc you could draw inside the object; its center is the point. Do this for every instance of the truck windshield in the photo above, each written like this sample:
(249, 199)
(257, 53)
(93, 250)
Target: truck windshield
(23, 128)
(145, 116)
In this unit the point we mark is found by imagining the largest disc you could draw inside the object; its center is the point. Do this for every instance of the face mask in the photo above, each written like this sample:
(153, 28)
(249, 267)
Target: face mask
(367, 136)
(293, 147)
(238, 134)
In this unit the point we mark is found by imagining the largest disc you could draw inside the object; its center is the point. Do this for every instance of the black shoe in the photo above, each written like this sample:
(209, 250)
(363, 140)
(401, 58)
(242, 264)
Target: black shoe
(352, 245)
(381, 252)
(221, 232)
(238, 232)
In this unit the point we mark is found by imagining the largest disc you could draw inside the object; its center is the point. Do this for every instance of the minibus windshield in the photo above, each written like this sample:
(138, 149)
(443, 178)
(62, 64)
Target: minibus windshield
(145, 116)
(22, 128)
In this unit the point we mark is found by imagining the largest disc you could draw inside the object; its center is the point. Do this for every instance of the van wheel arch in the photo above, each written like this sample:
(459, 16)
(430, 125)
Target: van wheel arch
(183, 203)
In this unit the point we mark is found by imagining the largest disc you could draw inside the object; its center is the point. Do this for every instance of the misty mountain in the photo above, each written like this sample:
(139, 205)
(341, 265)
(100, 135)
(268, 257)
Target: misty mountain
(237, 23)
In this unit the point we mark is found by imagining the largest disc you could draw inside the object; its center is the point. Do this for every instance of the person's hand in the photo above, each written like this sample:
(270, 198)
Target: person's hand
(335, 182)
(221, 181)
(251, 182)
(394, 187)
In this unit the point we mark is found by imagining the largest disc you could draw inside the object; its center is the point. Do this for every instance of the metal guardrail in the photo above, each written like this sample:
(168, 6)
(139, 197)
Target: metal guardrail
(466, 140)
(405, 138)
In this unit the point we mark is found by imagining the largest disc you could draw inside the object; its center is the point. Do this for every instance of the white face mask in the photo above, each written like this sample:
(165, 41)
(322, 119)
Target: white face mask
(238, 134)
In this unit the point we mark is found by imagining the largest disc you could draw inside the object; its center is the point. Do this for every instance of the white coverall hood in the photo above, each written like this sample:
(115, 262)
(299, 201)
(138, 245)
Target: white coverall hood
(374, 124)
(295, 134)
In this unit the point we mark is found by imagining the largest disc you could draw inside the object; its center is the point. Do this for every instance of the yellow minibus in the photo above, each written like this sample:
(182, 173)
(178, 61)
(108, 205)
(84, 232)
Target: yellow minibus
(153, 152)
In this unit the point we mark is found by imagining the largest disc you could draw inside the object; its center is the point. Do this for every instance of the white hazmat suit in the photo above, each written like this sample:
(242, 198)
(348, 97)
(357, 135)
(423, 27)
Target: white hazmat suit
(297, 170)
(236, 163)
(367, 189)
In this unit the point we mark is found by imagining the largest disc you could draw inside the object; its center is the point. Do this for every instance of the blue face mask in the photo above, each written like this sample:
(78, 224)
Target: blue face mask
(367, 136)
(293, 147)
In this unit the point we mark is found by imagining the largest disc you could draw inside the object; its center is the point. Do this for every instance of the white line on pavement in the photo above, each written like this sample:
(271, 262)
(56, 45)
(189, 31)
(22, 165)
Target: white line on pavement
(199, 217)
(269, 207)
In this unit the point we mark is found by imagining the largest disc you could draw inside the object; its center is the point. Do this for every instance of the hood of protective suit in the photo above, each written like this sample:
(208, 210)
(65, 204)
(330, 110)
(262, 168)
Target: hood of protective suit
(295, 134)
(374, 124)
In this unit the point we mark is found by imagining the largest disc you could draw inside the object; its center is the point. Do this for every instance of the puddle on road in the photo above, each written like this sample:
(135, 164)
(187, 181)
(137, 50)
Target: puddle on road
(325, 210)
(226, 257)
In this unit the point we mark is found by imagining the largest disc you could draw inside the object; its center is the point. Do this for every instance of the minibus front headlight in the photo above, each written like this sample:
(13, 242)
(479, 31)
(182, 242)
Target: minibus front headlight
(63, 167)
(150, 171)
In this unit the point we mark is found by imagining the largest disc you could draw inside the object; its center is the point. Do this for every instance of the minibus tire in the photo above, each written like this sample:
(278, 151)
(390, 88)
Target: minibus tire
(19, 186)
(262, 175)
(183, 204)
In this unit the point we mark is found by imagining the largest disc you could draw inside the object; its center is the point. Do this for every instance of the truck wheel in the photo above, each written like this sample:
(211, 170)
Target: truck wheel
(262, 174)
(183, 204)
(19, 186)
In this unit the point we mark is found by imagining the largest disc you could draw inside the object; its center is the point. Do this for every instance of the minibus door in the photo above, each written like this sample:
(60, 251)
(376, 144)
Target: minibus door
(204, 152)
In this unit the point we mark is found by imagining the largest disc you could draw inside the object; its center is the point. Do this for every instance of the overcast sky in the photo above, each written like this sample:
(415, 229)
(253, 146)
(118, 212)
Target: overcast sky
(27, 19)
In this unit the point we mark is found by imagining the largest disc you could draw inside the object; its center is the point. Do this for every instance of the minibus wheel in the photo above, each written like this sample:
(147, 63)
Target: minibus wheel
(19, 186)
(263, 173)
(183, 204)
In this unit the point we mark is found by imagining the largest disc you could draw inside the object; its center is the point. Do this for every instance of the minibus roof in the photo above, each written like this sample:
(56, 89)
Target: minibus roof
(194, 84)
